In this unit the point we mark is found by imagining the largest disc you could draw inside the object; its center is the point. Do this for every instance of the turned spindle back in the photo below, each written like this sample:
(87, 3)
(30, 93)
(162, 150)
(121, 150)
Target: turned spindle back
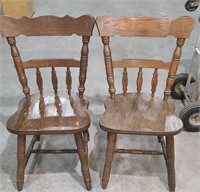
(48, 26)
(143, 27)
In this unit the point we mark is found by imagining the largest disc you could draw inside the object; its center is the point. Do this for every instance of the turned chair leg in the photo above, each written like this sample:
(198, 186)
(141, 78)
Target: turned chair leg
(21, 145)
(80, 143)
(170, 162)
(161, 140)
(86, 139)
(112, 137)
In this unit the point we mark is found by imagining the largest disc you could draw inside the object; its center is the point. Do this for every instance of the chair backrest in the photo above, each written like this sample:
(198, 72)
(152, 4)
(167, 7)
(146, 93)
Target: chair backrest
(48, 26)
(143, 27)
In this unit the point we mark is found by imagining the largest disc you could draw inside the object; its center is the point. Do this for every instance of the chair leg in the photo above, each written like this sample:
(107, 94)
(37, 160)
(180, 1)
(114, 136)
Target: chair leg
(84, 159)
(161, 140)
(170, 162)
(112, 137)
(86, 139)
(21, 146)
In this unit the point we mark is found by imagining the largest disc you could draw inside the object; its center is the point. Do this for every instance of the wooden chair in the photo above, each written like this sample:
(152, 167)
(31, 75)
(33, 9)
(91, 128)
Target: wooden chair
(141, 113)
(53, 112)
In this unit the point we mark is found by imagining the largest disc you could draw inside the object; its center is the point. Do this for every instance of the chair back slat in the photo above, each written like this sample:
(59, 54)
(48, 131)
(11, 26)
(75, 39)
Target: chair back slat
(125, 81)
(144, 26)
(139, 81)
(51, 63)
(68, 80)
(154, 82)
(144, 63)
(39, 81)
(46, 26)
(54, 80)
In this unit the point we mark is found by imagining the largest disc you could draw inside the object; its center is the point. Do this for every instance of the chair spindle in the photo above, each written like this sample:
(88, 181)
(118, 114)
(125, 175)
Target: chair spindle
(42, 107)
(54, 80)
(40, 88)
(125, 81)
(139, 81)
(58, 105)
(39, 81)
(154, 82)
(68, 81)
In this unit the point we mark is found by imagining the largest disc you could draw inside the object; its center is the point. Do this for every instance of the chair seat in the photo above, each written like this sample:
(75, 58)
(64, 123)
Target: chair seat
(49, 114)
(140, 114)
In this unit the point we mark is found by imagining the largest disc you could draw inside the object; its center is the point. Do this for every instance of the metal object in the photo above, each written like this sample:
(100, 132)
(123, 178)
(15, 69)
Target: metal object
(190, 114)
(192, 5)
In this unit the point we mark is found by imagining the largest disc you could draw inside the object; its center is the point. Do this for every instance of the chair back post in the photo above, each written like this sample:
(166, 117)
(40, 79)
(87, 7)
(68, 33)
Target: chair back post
(173, 67)
(18, 65)
(109, 66)
(83, 65)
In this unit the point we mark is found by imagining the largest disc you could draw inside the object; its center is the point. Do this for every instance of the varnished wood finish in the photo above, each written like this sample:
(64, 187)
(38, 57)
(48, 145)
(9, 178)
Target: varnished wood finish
(173, 67)
(154, 82)
(83, 67)
(68, 115)
(109, 66)
(39, 81)
(170, 162)
(140, 113)
(145, 63)
(112, 137)
(139, 81)
(18, 65)
(51, 62)
(53, 111)
(68, 80)
(125, 81)
(46, 26)
(21, 146)
(84, 159)
(145, 26)
(54, 80)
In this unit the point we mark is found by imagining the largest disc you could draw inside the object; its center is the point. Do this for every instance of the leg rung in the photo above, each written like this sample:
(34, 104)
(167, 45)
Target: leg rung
(140, 152)
(46, 151)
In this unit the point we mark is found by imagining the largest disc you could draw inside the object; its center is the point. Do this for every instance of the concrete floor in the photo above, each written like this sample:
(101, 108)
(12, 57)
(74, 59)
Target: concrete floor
(129, 172)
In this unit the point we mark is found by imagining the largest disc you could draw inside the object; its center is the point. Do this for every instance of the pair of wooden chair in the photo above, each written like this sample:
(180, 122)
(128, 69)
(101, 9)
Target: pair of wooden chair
(57, 112)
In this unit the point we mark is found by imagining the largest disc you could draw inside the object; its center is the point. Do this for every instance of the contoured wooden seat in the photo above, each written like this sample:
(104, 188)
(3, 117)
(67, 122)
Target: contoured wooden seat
(140, 113)
(57, 110)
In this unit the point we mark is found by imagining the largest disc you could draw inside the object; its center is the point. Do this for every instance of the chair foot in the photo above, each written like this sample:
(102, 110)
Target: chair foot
(20, 186)
(21, 145)
(104, 185)
(88, 185)
(112, 137)
(80, 143)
